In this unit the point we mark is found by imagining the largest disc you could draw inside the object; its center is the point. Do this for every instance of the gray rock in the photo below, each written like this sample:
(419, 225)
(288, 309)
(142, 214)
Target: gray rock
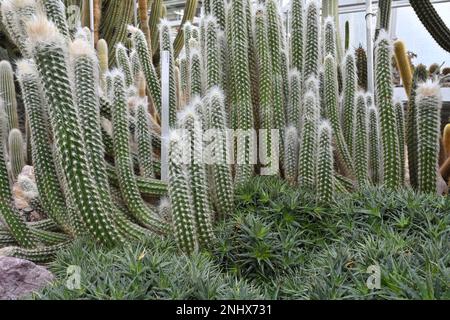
(20, 277)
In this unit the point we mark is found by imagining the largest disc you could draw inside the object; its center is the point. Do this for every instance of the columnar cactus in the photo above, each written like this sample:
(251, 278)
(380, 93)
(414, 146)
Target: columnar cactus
(311, 64)
(297, 35)
(123, 62)
(420, 75)
(11, 23)
(127, 182)
(55, 11)
(360, 140)
(197, 177)
(51, 60)
(361, 66)
(145, 60)
(374, 146)
(403, 65)
(218, 11)
(50, 193)
(8, 95)
(222, 175)
(308, 142)
(213, 59)
(166, 45)
(400, 120)
(136, 68)
(241, 99)
(180, 196)
(331, 97)
(384, 91)
(330, 38)
(429, 105)
(383, 17)
(187, 30)
(291, 155)
(446, 141)
(144, 140)
(103, 62)
(349, 98)
(16, 152)
(325, 181)
(294, 106)
(252, 61)
(196, 81)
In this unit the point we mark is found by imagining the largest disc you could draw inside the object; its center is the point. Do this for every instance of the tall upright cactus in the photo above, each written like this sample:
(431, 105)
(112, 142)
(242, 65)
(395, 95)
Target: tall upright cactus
(388, 123)
(180, 196)
(144, 140)
(361, 66)
(241, 91)
(383, 16)
(361, 140)
(325, 182)
(308, 142)
(123, 62)
(400, 120)
(349, 98)
(166, 45)
(294, 106)
(291, 155)
(429, 103)
(197, 177)
(222, 175)
(8, 95)
(11, 24)
(297, 34)
(374, 146)
(55, 11)
(16, 152)
(420, 75)
(311, 59)
(50, 193)
(145, 60)
(212, 65)
(127, 182)
(331, 96)
(196, 73)
(330, 38)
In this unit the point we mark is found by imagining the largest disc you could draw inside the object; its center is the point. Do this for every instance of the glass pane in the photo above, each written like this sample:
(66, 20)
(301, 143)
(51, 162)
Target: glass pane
(417, 38)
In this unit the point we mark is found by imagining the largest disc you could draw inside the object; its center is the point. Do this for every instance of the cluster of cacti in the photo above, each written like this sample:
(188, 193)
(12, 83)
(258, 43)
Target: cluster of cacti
(96, 135)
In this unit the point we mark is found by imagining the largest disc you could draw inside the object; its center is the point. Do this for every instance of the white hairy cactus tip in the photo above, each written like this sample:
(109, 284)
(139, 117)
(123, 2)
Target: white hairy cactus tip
(132, 29)
(22, 3)
(210, 19)
(312, 3)
(216, 93)
(428, 89)
(42, 31)
(329, 58)
(164, 203)
(174, 136)
(329, 22)
(164, 24)
(382, 37)
(80, 47)
(313, 80)
(325, 125)
(25, 68)
(294, 73)
(349, 56)
(6, 6)
(291, 131)
(310, 95)
(372, 109)
(116, 73)
(190, 111)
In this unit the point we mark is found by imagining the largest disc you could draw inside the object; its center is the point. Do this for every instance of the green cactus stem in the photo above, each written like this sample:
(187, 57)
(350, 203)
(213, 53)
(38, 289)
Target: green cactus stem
(325, 177)
(374, 147)
(361, 157)
(297, 34)
(349, 98)
(294, 106)
(291, 155)
(123, 62)
(55, 11)
(400, 120)
(16, 152)
(383, 16)
(8, 95)
(311, 62)
(144, 141)
(196, 82)
(361, 66)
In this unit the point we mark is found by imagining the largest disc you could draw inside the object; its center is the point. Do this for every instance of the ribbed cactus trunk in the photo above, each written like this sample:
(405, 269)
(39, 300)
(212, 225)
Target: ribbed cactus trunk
(311, 62)
(388, 123)
(291, 155)
(55, 11)
(241, 99)
(124, 64)
(360, 141)
(400, 120)
(196, 74)
(297, 34)
(294, 103)
(331, 100)
(361, 66)
(375, 164)
(16, 152)
(213, 58)
(222, 175)
(8, 96)
(325, 182)
(349, 99)
(144, 140)
(420, 75)
(50, 193)
(429, 105)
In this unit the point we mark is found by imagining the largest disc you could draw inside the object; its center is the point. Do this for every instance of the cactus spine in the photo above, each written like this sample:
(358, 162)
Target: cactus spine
(374, 146)
(331, 95)
(144, 140)
(428, 125)
(403, 65)
(349, 99)
(16, 152)
(400, 119)
(297, 35)
(384, 91)
(8, 95)
(360, 140)
(325, 181)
